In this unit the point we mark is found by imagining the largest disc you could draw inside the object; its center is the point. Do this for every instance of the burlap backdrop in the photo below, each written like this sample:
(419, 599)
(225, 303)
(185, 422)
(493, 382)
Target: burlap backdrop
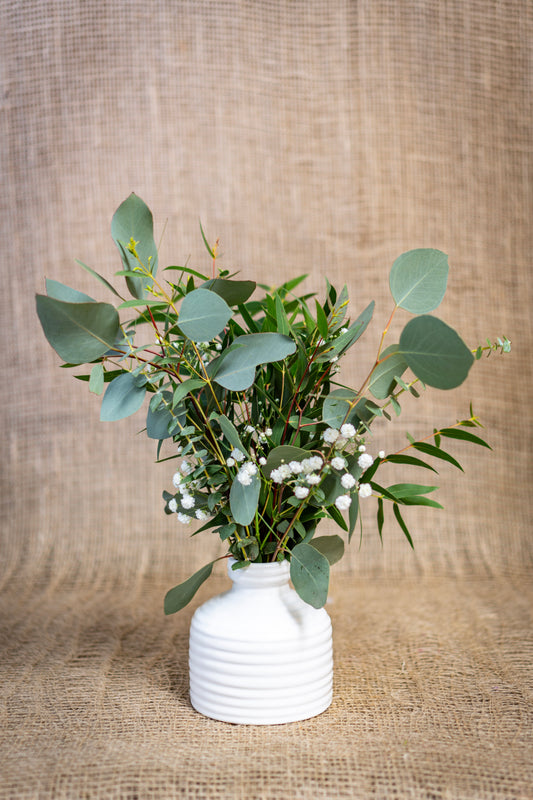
(310, 136)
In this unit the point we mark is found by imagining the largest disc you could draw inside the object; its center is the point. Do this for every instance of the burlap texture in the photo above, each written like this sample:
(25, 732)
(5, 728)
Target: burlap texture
(310, 136)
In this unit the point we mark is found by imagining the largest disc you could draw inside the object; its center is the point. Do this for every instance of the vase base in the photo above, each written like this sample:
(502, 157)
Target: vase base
(241, 716)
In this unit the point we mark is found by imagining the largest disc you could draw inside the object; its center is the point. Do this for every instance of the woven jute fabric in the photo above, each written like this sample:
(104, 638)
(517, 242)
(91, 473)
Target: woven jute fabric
(313, 137)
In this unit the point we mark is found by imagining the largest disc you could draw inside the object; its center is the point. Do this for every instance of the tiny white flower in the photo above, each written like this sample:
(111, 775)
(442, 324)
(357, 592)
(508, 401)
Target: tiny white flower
(365, 490)
(262, 461)
(244, 478)
(362, 448)
(275, 476)
(295, 467)
(338, 462)
(230, 462)
(268, 431)
(381, 454)
(315, 462)
(306, 465)
(184, 518)
(172, 505)
(201, 514)
(204, 344)
(301, 492)
(249, 429)
(176, 479)
(340, 443)
(365, 460)
(332, 360)
(348, 481)
(343, 502)
(312, 479)
(187, 501)
(185, 468)
(347, 430)
(237, 454)
(330, 435)
(218, 346)
(343, 330)
(285, 471)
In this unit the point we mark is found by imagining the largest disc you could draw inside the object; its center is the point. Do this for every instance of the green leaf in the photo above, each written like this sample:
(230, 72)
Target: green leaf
(310, 574)
(415, 500)
(283, 455)
(178, 597)
(230, 433)
(62, 292)
(96, 380)
(402, 490)
(133, 220)
(243, 500)
(233, 292)
(183, 389)
(455, 433)
(159, 418)
(281, 317)
(99, 278)
(380, 517)
(330, 546)
(418, 280)
(321, 321)
(235, 369)
(411, 460)
(402, 524)
(208, 247)
(338, 408)
(124, 396)
(203, 315)
(437, 452)
(78, 332)
(353, 513)
(391, 364)
(343, 342)
(435, 352)
(145, 301)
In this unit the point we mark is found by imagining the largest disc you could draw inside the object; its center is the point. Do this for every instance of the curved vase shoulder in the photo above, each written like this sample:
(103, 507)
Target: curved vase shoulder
(258, 654)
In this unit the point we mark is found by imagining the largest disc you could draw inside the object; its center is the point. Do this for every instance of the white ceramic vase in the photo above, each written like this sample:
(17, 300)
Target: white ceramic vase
(258, 653)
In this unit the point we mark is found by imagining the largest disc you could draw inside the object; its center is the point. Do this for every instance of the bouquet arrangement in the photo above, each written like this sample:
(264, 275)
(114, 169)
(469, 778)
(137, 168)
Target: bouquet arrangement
(267, 440)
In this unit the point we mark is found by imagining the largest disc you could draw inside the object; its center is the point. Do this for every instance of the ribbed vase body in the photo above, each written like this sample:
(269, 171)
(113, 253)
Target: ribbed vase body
(258, 654)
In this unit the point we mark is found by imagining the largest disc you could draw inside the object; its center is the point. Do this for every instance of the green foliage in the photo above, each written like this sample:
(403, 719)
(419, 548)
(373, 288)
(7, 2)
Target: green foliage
(242, 383)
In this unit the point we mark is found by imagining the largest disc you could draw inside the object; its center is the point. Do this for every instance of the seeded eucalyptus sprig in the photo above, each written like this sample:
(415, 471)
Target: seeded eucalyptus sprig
(242, 382)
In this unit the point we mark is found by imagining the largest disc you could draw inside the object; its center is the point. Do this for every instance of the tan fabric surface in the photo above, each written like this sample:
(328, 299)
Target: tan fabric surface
(310, 136)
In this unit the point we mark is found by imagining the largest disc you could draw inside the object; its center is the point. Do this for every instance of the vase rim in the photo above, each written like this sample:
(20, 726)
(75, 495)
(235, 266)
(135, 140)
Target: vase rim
(262, 574)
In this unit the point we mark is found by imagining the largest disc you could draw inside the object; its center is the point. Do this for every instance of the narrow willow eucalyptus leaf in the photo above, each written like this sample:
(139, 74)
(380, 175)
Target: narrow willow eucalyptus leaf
(78, 332)
(402, 524)
(310, 574)
(435, 352)
(203, 315)
(124, 396)
(456, 433)
(178, 597)
(418, 280)
(230, 433)
(98, 277)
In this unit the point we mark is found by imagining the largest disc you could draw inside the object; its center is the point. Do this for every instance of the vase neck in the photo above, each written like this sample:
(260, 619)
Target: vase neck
(260, 576)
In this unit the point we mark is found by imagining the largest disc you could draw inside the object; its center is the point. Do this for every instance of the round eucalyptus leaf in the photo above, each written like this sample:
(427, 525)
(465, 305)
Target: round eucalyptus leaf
(124, 396)
(133, 220)
(310, 574)
(235, 370)
(418, 280)
(203, 315)
(392, 364)
(435, 352)
(243, 500)
(78, 332)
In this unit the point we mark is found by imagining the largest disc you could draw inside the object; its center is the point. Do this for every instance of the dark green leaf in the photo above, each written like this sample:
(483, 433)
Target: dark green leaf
(402, 524)
(456, 433)
(230, 433)
(283, 455)
(321, 321)
(437, 452)
(207, 245)
(310, 574)
(402, 490)
(380, 517)
(414, 462)
(78, 332)
(178, 597)
(233, 292)
(353, 512)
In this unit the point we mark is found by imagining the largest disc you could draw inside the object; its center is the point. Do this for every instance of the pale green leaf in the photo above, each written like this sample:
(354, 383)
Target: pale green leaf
(78, 332)
(418, 280)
